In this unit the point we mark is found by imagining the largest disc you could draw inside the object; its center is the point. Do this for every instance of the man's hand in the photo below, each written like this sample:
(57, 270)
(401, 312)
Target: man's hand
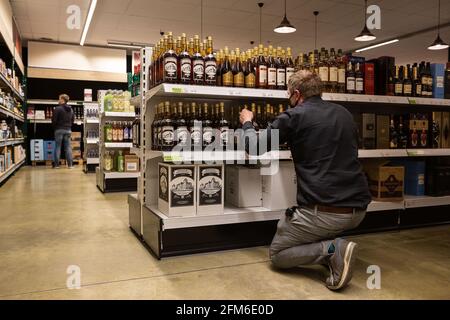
(245, 116)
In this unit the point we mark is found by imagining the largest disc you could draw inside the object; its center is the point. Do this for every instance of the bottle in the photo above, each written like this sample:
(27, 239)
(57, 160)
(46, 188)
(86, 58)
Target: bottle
(198, 63)
(259, 119)
(114, 132)
(120, 162)
(324, 71)
(107, 162)
(423, 79)
(333, 72)
(195, 127)
(429, 80)
(271, 70)
(184, 62)
(227, 73)
(108, 101)
(249, 71)
(393, 136)
(238, 71)
(223, 127)
(109, 136)
(391, 84)
(417, 85)
(261, 69)
(350, 78)
(359, 80)
(290, 68)
(255, 117)
(210, 64)
(407, 83)
(207, 130)
(161, 57)
(182, 134)
(341, 72)
(167, 130)
(402, 135)
(219, 68)
(281, 69)
(315, 64)
(398, 84)
(120, 131)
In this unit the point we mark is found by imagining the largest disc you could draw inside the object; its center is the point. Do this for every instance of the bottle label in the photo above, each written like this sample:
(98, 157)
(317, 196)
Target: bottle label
(341, 76)
(430, 81)
(272, 76)
(333, 74)
(227, 79)
(424, 81)
(350, 83)
(199, 69)
(167, 135)
(125, 134)
(407, 89)
(323, 73)
(159, 141)
(398, 88)
(289, 73)
(238, 79)
(359, 84)
(262, 75)
(170, 67)
(109, 134)
(186, 69)
(281, 77)
(224, 135)
(250, 80)
(114, 135)
(196, 135)
(182, 135)
(418, 89)
(210, 71)
(207, 136)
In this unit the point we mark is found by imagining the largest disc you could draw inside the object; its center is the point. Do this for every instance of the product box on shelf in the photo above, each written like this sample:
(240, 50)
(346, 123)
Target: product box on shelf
(369, 78)
(384, 69)
(30, 112)
(177, 185)
(438, 181)
(437, 130)
(447, 82)
(438, 73)
(19, 154)
(279, 191)
(414, 176)
(445, 136)
(37, 150)
(88, 95)
(239, 180)
(418, 131)
(210, 189)
(386, 182)
(383, 123)
(131, 163)
(49, 149)
(368, 131)
(39, 115)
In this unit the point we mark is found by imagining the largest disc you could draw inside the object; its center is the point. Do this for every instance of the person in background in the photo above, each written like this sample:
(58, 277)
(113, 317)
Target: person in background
(332, 190)
(63, 119)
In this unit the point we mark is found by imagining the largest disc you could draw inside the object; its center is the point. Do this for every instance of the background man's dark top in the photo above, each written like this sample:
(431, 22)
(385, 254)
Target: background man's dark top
(63, 117)
(323, 140)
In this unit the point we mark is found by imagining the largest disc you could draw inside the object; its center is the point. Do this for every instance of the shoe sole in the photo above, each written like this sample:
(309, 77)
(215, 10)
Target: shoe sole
(347, 273)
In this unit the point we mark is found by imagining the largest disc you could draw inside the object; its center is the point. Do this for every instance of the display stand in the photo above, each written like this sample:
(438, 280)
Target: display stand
(91, 136)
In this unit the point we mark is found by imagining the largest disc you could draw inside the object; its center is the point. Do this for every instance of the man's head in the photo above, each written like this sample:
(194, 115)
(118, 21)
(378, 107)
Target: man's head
(63, 99)
(302, 85)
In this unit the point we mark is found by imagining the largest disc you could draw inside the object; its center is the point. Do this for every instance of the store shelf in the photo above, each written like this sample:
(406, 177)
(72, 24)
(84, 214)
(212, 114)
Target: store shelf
(11, 142)
(4, 83)
(52, 102)
(121, 175)
(343, 97)
(92, 161)
(376, 206)
(428, 152)
(10, 171)
(120, 114)
(426, 201)
(382, 153)
(136, 101)
(429, 101)
(47, 121)
(136, 151)
(93, 121)
(92, 141)
(231, 215)
(11, 114)
(122, 145)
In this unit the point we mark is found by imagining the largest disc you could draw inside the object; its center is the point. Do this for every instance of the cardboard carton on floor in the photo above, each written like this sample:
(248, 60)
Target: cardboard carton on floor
(243, 187)
(210, 190)
(177, 190)
(386, 183)
(279, 191)
(131, 163)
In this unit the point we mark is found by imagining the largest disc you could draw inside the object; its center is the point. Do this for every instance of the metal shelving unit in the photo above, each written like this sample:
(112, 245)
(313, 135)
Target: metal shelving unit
(11, 142)
(5, 84)
(90, 144)
(9, 113)
(5, 175)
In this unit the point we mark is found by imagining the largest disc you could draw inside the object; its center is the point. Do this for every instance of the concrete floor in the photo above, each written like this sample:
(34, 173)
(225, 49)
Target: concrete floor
(51, 219)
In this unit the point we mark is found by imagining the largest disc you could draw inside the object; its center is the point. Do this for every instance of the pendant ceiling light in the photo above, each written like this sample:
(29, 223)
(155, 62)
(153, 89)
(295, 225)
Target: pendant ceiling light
(285, 26)
(316, 13)
(365, 34)
(260, 5)
(438, 44)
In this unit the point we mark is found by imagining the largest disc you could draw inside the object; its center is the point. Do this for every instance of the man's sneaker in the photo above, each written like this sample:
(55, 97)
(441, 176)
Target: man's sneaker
(72, 167)
(341, 264)
(56, 167)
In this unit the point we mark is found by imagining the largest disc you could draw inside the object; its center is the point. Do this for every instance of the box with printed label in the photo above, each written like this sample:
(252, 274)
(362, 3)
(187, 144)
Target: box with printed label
(210, 190)
(279, 190)
(385, 182)
(383, 123)
(39, 115)
(239, 180)
(368, 130)
(414, 176)
(75, 136)
(176, 195)
(37, 150)
(131, 163)
(438, 73)
(437, 130)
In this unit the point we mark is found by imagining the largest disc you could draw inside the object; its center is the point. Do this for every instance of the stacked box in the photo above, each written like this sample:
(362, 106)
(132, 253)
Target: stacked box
(19, 154)
(210, 190)
(37, 150)
(2, 163)
(177, 185)
(279, 191)
(438, 73)
(131, 163)
(49, 150)
(385, 182)
(241, 179)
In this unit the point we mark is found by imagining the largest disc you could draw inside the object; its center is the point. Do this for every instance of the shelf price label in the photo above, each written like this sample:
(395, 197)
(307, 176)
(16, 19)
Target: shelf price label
(177, 90)
(412, 101)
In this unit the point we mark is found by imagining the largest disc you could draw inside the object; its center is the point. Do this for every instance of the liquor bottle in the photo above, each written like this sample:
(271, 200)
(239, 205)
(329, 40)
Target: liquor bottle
(198, 63)
(207, 129)
(271, 70)
(158, 127)
(219, 68)
(407, 83)
(417, 85)
(259, 118)
(238, 71)
(315, 62)
(210, 64)
(249, 71)
(281, 69)
(429, 80)
(255, 120)
(341, 72)
(359, 79)
(324, 71)
(393, 136)
(227, 72)
(181, 129)
(402, 135)
(184, 62)
(120, 162)
(290, 68)
(223, 127)
(390, 83)
(333, 72)
(120, 131)
(398, 84)
(167, 130)
(178, 46)
(350, 79)
(170, 62)
(423, 79)
(161, 57)
(195, 127)
(261, 69)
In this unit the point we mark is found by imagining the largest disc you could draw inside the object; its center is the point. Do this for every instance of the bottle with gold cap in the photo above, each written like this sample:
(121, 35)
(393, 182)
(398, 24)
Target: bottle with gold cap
(170, 59)
(198, 63)
(161, 58)
(281, 69)
(249, 71)
(210, 64)
(227, 73)
(238, 71)
(271, 70)
(261, 69)
(220, 58)
(290, 69)
(184, 62)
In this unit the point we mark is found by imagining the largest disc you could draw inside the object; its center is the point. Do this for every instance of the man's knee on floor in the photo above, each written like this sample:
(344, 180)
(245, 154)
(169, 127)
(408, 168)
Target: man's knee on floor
(277, 261)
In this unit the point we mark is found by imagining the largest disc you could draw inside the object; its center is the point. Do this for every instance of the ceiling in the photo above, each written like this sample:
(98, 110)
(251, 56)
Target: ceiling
(236, 22)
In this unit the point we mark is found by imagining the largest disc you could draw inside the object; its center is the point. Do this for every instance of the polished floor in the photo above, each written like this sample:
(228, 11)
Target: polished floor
(53, 219)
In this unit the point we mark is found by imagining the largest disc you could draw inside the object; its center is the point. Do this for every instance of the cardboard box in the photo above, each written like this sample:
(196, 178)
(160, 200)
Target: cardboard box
(445, 137)
(369, 78)
(383, 67)
(39, 115)
(418, 131)
(279, 191)
(131, 163)
(437, 130)
(438, 181)
(177, 185)
(241, 179)
(75, 136)
(88, 95)
(385, 182)
(447, 82)
(210, 190)
(368, 131)
(37, 150)
(438, 73)
(383, 124)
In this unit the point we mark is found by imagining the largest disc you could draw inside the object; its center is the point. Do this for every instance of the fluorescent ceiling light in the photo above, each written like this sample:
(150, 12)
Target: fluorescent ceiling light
(377, 45)
(128, 45)
(88, 21)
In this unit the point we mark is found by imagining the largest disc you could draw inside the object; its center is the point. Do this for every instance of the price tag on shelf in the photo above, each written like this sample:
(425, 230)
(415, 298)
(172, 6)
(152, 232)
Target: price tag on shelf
(177, 90)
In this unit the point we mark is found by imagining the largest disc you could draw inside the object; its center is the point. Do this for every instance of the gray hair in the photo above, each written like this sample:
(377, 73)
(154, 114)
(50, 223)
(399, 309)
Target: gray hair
(306, 82)
(65, 97)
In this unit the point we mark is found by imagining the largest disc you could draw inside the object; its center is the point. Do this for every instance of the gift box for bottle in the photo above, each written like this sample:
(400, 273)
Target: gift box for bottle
(386, 182)
(131, 163)
(438, 73)
(368, 131)
(414, 176)
(438, 181)
(210, 190)
(383, 123)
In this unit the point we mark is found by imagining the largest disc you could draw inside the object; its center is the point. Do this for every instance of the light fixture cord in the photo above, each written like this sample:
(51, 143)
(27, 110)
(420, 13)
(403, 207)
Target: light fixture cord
(260, 25)
(285, 11)
(201, 19)
(365, 12)
(439, 17)
(315, 33)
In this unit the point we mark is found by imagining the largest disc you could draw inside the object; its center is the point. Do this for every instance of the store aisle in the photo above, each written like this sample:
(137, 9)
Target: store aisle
(51, 219)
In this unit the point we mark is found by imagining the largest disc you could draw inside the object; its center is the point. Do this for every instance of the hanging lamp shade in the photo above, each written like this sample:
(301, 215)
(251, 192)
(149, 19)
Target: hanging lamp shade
(365, 34)
(285, 26)
(438, 44)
